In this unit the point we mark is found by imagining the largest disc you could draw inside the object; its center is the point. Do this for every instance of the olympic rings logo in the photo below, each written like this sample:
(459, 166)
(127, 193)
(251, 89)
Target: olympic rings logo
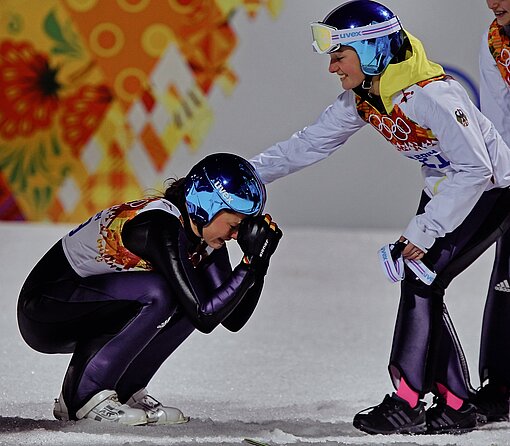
(390, 129)
(505, 59)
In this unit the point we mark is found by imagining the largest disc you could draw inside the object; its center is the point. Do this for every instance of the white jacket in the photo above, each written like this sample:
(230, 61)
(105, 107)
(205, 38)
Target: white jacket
(462, 155)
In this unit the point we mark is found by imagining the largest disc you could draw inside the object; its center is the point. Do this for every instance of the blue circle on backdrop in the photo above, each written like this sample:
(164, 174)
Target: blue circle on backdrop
(467, 82)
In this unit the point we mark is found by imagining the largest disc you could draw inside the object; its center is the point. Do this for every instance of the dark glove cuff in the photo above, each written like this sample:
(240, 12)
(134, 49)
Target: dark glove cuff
(257, 265)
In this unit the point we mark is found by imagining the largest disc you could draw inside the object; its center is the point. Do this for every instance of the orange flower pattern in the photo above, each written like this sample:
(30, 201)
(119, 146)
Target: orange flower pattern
(396, 127)
(82, 113)
(29, 93)
(499, 46)
(79, 82)
(111, 249)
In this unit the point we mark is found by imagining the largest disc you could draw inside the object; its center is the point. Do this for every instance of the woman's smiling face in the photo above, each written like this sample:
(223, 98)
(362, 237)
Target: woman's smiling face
(345, 63)
(501, 9)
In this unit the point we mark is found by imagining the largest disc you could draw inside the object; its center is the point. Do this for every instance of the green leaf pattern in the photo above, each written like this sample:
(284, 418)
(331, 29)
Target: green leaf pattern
(19, 165)
(66, 40)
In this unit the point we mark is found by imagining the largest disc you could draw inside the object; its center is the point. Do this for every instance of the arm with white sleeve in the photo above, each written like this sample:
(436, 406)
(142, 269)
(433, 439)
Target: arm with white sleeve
(464, 145)
(312, 144)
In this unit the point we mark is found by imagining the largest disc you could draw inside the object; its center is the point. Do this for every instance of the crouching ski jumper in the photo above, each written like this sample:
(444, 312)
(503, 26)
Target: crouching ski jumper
(124, 289)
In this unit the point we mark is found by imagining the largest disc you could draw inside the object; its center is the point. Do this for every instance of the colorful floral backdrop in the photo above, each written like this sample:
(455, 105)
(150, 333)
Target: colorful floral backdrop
(94, 91)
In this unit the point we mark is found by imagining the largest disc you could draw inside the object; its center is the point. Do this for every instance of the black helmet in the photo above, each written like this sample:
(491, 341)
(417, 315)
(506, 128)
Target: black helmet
(223, 181)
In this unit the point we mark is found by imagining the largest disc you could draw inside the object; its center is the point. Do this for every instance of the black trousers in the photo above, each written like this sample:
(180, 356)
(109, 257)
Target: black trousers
(426, 349)
(120, 327)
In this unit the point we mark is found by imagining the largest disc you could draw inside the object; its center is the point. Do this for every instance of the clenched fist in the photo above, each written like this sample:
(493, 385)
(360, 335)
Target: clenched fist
(258, 238)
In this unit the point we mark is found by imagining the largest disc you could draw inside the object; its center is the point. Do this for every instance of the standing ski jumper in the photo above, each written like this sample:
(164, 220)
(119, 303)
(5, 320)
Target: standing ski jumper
(494, 366)
(427, 117)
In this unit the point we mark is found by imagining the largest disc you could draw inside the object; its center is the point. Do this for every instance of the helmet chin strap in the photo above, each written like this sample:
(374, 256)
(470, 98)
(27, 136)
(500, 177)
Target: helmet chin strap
(367, 82)
(192, 224)
(200, 229)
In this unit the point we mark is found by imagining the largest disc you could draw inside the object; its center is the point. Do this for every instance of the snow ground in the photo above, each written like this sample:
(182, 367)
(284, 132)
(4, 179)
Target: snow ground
(314, 354)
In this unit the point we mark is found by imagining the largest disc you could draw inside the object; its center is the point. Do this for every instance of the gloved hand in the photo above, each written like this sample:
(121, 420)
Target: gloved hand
(258, 238)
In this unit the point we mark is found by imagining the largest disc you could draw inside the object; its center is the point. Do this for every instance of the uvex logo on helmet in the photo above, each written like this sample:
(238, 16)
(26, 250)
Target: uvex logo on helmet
(222, 191)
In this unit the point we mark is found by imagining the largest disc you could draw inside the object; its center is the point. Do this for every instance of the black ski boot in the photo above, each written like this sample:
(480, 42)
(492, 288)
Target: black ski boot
(393, 416)
(443, 419)
(491, 403)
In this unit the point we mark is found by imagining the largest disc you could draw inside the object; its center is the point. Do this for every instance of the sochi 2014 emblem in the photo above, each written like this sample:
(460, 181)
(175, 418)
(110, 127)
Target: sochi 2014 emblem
(461, 117)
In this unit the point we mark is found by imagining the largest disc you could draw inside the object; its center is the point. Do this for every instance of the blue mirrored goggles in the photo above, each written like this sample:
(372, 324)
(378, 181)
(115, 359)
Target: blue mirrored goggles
(248, 197)
(205, 199)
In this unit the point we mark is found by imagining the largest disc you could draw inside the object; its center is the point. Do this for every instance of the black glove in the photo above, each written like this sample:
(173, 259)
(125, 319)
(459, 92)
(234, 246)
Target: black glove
(258, 238)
